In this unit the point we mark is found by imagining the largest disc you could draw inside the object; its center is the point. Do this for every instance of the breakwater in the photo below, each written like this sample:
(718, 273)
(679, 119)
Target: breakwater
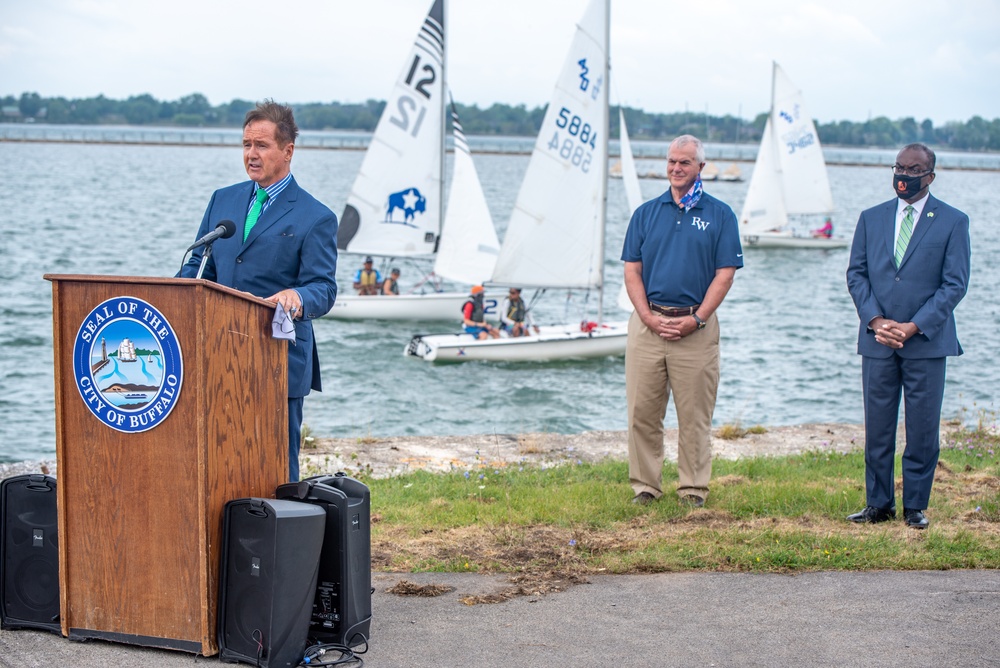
(346, 140)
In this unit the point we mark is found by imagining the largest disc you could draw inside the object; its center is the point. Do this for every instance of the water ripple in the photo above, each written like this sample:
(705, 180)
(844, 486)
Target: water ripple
(788, 325)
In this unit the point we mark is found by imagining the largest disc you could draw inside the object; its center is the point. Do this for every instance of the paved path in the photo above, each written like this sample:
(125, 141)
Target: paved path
(884, 618)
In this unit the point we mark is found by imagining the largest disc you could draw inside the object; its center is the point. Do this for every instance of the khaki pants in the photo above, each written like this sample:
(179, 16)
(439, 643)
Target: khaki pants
(690, 368)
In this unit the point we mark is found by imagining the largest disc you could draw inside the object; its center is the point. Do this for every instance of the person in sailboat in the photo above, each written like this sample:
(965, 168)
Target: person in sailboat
(286, 251)
(515, 319)
(681, 253)
(474, 316)
(826, 231)
(391, 285)
(367, 280)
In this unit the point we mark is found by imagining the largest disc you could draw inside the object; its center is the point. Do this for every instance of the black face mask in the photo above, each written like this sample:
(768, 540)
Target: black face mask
(906, 186)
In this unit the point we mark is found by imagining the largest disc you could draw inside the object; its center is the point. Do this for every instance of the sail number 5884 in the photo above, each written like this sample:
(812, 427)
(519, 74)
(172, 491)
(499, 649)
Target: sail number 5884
(574, 146)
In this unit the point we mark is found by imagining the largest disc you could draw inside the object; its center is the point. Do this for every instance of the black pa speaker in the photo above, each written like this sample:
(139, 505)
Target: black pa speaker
(29, 554)
(270, 560)
(342, 611)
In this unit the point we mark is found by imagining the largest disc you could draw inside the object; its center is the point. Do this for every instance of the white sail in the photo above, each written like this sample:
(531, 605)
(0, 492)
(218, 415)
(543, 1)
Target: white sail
(630, 177)
(764, 206)
(469, 245)
(126, 351)
(790, 176)
(556, 233)
(555, 237)
(800, 156)
(633, 195)
(394, 208)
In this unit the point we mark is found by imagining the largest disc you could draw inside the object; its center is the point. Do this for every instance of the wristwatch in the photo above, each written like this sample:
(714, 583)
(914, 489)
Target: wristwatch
(701, 323)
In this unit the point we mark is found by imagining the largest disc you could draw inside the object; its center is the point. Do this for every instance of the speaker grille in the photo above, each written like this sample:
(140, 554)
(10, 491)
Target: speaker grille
(29, 556)
(269, 565)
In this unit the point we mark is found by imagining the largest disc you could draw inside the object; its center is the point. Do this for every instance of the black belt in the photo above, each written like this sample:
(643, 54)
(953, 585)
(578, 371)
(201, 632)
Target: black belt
(673, 311)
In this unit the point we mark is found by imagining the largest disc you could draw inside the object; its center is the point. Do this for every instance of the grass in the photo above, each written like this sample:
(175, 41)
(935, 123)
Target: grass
(547, 527)
(733, 431)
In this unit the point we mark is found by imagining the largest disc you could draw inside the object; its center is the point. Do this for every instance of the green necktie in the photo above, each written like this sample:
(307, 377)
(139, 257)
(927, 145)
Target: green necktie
(905, 230)
(254, 212)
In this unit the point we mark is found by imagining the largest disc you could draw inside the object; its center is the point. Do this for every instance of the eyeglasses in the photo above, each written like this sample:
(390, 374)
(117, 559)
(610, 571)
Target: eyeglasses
(915, 170)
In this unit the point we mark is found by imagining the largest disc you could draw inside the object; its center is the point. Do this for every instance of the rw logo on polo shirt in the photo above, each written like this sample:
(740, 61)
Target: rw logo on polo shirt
(700, 224)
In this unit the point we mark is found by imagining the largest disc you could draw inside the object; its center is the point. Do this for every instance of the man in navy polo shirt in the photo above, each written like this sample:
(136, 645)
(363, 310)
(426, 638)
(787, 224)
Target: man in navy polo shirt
(681, 253)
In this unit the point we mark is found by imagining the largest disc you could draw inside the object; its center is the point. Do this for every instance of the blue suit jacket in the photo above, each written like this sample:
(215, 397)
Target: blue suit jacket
(930, 282)
(292, 245)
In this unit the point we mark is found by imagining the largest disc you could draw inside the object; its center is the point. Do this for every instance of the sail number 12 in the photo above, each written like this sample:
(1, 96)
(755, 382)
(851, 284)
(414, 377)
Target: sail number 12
(420, 79)
(573, 145)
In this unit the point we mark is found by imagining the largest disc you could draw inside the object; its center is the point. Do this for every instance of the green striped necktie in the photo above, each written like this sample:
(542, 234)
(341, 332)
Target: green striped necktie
(905, 230)
(255, 212)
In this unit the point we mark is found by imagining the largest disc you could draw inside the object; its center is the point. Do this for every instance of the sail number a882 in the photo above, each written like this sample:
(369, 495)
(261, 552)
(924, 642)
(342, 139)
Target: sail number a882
(573, 138)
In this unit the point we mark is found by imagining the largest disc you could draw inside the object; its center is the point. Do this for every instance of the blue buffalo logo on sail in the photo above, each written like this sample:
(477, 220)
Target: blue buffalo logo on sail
(410, 202)
(127, 364)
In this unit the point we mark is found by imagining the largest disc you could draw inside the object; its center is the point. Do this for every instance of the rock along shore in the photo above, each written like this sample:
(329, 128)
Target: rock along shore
(405, 454)
(395, 455)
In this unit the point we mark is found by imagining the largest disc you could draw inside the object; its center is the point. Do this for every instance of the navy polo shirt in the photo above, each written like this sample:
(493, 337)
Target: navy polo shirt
(681, 250)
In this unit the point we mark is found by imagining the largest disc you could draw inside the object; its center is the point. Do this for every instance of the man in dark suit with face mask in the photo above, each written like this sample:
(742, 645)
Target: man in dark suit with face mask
(909, 269)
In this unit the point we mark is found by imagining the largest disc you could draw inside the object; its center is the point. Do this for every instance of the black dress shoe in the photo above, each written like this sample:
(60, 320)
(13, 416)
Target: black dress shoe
(872, 515)
(915, 518)
(643, 499)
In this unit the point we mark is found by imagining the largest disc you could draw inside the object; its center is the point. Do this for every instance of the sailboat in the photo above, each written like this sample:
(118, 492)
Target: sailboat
(555, 238)
(789, 183)
(126, 351)
(731, 173)
(396, 206)
(633, 194)
(710, 172)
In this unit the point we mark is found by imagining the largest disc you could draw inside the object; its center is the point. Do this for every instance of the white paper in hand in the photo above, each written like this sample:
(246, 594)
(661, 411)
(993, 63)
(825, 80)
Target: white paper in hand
(283, 325)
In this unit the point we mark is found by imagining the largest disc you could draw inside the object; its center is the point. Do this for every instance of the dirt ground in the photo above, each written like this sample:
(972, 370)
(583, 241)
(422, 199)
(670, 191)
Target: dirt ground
(402, 454)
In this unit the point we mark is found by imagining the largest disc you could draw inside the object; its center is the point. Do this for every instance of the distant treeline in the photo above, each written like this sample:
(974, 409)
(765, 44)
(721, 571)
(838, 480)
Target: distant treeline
(976, 134)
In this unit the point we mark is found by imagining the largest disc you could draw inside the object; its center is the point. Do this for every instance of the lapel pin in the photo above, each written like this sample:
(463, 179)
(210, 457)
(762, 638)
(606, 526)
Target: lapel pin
(930, 214)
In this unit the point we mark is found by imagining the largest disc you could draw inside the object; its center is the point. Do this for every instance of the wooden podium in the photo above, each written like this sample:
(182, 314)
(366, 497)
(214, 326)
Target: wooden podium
(140, 511)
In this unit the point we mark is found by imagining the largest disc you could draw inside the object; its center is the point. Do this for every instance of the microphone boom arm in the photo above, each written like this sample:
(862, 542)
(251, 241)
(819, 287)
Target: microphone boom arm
(205, 254)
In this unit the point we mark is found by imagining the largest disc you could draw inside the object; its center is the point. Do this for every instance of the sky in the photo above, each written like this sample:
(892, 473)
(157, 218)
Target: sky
(853, 59)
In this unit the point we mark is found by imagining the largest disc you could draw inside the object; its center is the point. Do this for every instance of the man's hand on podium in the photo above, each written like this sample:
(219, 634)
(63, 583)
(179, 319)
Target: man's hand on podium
(289, 300)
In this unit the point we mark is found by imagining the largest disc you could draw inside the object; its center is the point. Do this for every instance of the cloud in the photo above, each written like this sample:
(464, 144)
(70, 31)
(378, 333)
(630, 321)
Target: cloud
(715, 54)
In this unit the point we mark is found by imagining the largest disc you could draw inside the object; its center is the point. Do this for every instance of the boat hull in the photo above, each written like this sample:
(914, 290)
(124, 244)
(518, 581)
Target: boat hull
(430, 306)
(552, 342)
(765, 240)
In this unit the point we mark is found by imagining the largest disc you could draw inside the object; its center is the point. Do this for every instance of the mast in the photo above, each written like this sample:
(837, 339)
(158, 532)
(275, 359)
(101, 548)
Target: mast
(444, 117)
(774, 138)
(604, 165)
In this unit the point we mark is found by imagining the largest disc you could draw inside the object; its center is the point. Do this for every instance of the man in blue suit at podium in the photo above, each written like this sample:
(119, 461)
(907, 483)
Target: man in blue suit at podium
(908, 271)
(284, 249)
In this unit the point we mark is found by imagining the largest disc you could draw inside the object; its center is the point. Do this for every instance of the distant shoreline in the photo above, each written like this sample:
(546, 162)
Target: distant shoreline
(650, 149)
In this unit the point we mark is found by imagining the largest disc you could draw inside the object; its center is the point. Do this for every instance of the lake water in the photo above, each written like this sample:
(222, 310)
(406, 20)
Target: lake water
(788, 325)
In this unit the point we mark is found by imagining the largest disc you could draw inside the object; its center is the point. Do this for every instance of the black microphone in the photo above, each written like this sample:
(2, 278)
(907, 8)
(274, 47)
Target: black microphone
(223, 230)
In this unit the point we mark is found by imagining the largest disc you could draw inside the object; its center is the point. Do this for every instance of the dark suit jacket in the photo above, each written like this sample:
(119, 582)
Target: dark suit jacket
(930, 282)
(292, 245)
